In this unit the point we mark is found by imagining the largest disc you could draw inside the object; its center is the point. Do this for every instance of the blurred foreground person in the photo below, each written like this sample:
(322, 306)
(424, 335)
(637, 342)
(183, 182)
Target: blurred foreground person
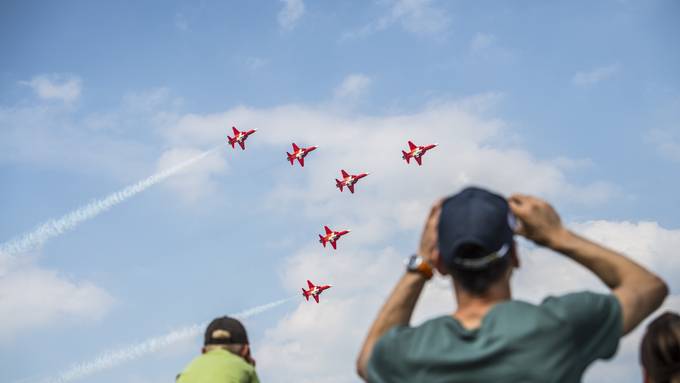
(225, 356)
(491, 337)
(660, 350)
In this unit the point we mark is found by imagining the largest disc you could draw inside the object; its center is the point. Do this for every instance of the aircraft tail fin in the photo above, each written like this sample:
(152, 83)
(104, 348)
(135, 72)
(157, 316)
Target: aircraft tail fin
(406, 157)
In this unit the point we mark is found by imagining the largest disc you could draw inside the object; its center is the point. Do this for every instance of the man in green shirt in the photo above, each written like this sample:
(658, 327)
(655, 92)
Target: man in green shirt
(225, 357)
(491, 337)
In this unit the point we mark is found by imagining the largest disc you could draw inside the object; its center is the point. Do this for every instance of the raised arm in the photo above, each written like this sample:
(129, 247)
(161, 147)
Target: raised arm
(638, 290)
(399, 306)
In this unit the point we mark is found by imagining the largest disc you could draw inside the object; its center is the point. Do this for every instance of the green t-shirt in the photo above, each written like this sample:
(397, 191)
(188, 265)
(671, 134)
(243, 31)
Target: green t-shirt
(218, 366)
(516, 342)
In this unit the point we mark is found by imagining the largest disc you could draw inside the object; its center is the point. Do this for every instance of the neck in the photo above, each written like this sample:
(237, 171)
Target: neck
(472, 307)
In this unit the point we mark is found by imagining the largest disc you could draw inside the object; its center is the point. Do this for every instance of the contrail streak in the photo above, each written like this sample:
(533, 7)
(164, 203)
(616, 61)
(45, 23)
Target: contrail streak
(113, 358)
(56, 227)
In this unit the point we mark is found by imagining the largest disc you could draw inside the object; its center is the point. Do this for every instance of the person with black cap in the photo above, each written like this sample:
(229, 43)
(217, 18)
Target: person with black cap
(491, 337)
(225, 356)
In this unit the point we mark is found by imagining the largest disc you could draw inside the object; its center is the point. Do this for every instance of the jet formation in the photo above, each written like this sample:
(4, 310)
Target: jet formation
(416, 152)
(239, 138)
(299, 154)
(314, 291)
(348, 180)
(331, 237)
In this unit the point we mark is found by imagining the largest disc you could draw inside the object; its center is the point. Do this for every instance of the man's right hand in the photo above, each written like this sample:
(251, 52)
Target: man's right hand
(537, 220)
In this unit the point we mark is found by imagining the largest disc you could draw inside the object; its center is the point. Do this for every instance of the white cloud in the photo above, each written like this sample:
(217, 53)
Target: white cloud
(420, 17)
(255, 63)
(181, 22)
(112, 143)
(482, 41)
(352, 87)
(198, 182)
(667, 142)
(32, 297)
(66, 88)
(291, 13)
(592, 77)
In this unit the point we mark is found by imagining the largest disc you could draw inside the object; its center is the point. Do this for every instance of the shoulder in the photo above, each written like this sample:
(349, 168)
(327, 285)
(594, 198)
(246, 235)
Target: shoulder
(578, 304)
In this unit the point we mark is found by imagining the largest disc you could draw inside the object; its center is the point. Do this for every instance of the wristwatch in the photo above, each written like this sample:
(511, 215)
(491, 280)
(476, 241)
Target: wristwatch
(418, 264)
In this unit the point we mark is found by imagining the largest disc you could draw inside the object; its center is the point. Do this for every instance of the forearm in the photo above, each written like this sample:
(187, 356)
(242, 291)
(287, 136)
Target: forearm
(639, 291)
(396, 311)
(612, 268)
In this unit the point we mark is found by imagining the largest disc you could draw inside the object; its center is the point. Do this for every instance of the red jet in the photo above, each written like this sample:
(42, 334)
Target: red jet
(331, 236)
(416, 152)
(349, 180)
(300, 154)
(240, 137)
(314, 291)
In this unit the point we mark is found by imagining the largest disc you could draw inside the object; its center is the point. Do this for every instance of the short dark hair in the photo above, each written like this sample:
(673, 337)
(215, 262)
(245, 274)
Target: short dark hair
(478, 281)
(660, 348)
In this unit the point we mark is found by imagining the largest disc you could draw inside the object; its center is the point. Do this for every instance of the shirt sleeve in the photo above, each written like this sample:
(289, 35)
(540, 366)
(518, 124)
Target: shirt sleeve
(595, 321)
(384, 360)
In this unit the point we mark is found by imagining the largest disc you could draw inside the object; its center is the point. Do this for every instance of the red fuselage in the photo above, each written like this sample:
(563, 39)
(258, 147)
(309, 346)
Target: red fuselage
(416, 152)
(314, 291)
(299, 154)
(349, 180)
(239, 137)
(331, 237)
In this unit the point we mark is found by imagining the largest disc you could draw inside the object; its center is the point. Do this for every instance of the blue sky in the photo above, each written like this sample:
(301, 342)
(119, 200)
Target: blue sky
(578, 102)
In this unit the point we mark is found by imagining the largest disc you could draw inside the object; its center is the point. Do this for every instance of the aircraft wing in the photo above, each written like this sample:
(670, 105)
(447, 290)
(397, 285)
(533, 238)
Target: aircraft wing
(316, 298)
(236, 132)
(419, 160)
(301, 160)
(295, 147)
(351, 188)
(310, 284)
(334, 244)
(411, 145)
(242, 144)
(344, 173)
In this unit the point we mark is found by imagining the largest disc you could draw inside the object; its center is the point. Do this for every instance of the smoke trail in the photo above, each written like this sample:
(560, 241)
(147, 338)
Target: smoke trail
(53, 228)
(113, 358)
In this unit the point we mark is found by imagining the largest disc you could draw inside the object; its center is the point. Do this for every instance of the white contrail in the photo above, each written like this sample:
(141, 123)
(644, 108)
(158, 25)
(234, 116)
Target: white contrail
(55, 227)
(113, 358)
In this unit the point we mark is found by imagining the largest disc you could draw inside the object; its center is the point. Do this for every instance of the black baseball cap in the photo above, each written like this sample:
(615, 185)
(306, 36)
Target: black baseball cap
(225, 330)
(478, 217)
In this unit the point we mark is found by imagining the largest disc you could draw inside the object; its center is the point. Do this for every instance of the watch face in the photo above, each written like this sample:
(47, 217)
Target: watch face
(414, 262)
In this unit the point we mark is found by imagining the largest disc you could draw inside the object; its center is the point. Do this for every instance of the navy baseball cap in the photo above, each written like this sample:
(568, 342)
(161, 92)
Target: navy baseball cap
(475, 217)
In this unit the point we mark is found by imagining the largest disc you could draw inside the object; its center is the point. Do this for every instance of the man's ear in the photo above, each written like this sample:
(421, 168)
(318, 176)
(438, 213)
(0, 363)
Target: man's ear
(438, 264)
(645, 376)
(245, 350)
(514, 257)
(203, 350)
